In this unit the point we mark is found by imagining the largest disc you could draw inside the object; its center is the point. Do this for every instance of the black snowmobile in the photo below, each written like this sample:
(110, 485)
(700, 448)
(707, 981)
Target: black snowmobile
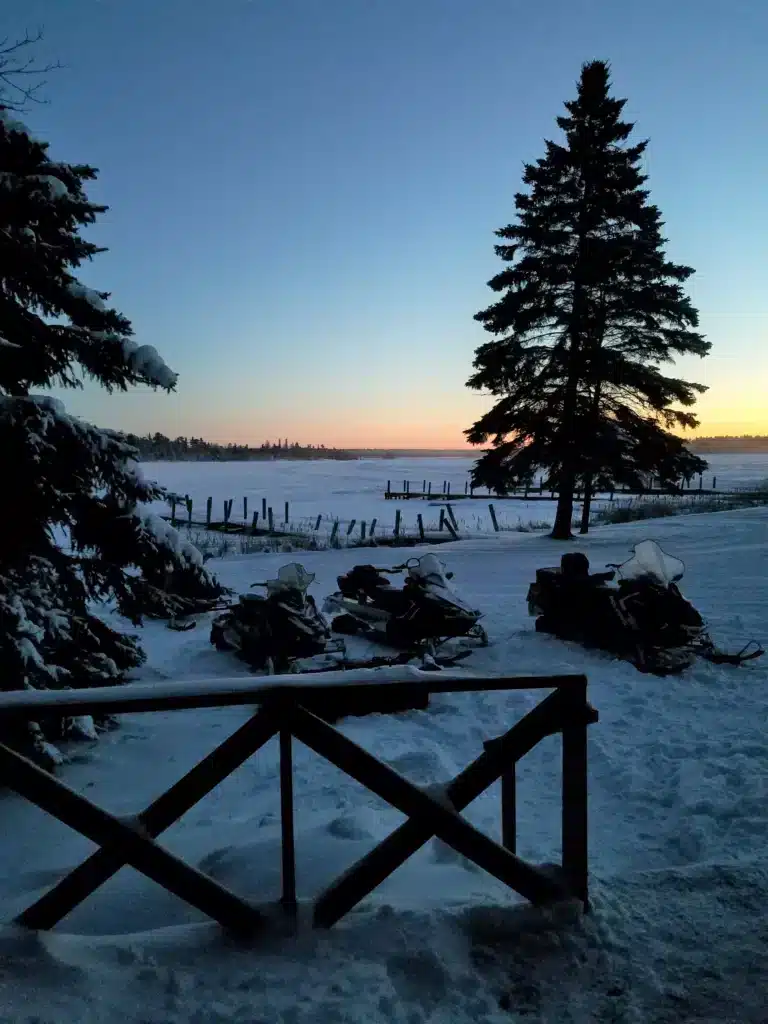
(419, 616)
(642, 617)
(282, 631)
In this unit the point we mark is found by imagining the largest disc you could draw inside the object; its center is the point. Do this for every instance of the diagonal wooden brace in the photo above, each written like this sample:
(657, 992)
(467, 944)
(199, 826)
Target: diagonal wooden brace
(443, 822)
(370, 871)
(123, 843)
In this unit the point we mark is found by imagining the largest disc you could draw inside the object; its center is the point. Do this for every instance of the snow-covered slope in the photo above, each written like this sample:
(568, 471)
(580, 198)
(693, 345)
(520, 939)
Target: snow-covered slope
(678, 788)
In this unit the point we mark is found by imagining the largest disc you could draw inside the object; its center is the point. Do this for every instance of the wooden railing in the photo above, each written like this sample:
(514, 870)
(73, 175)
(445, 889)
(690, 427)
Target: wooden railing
(291, 707)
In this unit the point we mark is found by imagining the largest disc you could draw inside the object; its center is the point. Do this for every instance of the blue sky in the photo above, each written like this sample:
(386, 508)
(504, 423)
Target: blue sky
(303, 193)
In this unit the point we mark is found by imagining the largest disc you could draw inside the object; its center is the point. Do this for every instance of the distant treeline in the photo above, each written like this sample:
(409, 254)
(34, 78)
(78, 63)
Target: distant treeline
(744, 444)
(159, 448)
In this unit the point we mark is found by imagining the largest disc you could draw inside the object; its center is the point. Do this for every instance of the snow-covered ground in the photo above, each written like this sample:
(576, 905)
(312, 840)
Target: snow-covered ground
(355, 490)
(678, 819)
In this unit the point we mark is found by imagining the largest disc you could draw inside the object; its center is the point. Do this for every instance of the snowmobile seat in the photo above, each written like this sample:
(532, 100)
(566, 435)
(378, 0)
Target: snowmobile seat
(390, 599)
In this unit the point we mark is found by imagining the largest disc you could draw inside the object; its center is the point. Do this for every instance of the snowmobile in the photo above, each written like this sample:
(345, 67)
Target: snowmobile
(282, 631)
(419, 616)
(641, 617)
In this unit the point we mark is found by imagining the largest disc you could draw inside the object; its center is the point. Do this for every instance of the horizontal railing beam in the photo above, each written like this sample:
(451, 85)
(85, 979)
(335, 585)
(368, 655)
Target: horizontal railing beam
(177, 695)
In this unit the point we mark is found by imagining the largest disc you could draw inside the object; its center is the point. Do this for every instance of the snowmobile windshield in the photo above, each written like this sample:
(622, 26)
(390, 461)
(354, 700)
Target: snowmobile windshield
(430, 571)
(290, 577)
(649, 560)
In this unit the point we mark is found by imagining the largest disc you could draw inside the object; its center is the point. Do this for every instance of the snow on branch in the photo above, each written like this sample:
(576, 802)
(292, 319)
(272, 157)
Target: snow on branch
(147, 361)
(168, 537)
(56, 187)
(79, 291)
(11, 124)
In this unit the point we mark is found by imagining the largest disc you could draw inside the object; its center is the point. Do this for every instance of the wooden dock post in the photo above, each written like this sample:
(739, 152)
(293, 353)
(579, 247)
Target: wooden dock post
(494, 520)
(373, 527)
(362, 530)
(264, 509)
(442, 519)
(271, 519)
(227, 510)
(189, 511)
(208, 512)
(245, 509)
(397, 523)
(287, 518)
(254, 522)
(173, 511)
(334, 532)
(420, 522)
(317, 523)
(452, 517)
(351, 526)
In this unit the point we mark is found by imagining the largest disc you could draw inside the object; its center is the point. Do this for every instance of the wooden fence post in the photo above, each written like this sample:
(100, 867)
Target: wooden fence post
(575, 816)
(208, 512)
(442, 518)
(373, 527)
(245, 509)
(271, 518)
(286, 520)
(173, 511)
(286, 823)
(492, 510)
(509, 808)
(420, 522)
(254, 522)
(429, 489)
(334, 531)
(189, 511)
(362, 530)
(452, 517)
(351, 526)
(317, 523)
(397, 524)
(227, 510)
(263, 508)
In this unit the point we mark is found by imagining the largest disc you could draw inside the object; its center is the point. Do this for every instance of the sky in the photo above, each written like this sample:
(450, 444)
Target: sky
(303, 193)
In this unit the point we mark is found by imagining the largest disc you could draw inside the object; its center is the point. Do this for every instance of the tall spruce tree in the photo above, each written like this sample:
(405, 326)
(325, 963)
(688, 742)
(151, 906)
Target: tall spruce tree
(589, 309)
(73, 529)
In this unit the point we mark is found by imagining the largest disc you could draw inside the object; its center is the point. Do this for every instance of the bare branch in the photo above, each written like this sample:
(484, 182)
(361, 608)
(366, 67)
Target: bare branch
(15, 94)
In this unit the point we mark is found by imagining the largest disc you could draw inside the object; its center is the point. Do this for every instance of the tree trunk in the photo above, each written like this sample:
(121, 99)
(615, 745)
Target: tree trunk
(564, 514)
(586, 508)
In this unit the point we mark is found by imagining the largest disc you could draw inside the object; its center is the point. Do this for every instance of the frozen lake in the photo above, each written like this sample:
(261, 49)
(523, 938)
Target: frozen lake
(355, 490)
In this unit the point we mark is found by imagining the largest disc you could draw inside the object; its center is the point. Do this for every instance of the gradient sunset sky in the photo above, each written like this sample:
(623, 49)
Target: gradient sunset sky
(303, 193)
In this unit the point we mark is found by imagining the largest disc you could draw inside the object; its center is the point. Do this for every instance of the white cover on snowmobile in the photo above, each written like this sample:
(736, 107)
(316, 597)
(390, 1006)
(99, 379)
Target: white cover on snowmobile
(430, 571)
(290, 577)
(649, 560)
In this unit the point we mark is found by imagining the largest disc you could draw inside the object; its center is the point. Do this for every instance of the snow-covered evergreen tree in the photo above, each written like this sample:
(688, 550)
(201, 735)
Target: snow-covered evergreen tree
(74, 529)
